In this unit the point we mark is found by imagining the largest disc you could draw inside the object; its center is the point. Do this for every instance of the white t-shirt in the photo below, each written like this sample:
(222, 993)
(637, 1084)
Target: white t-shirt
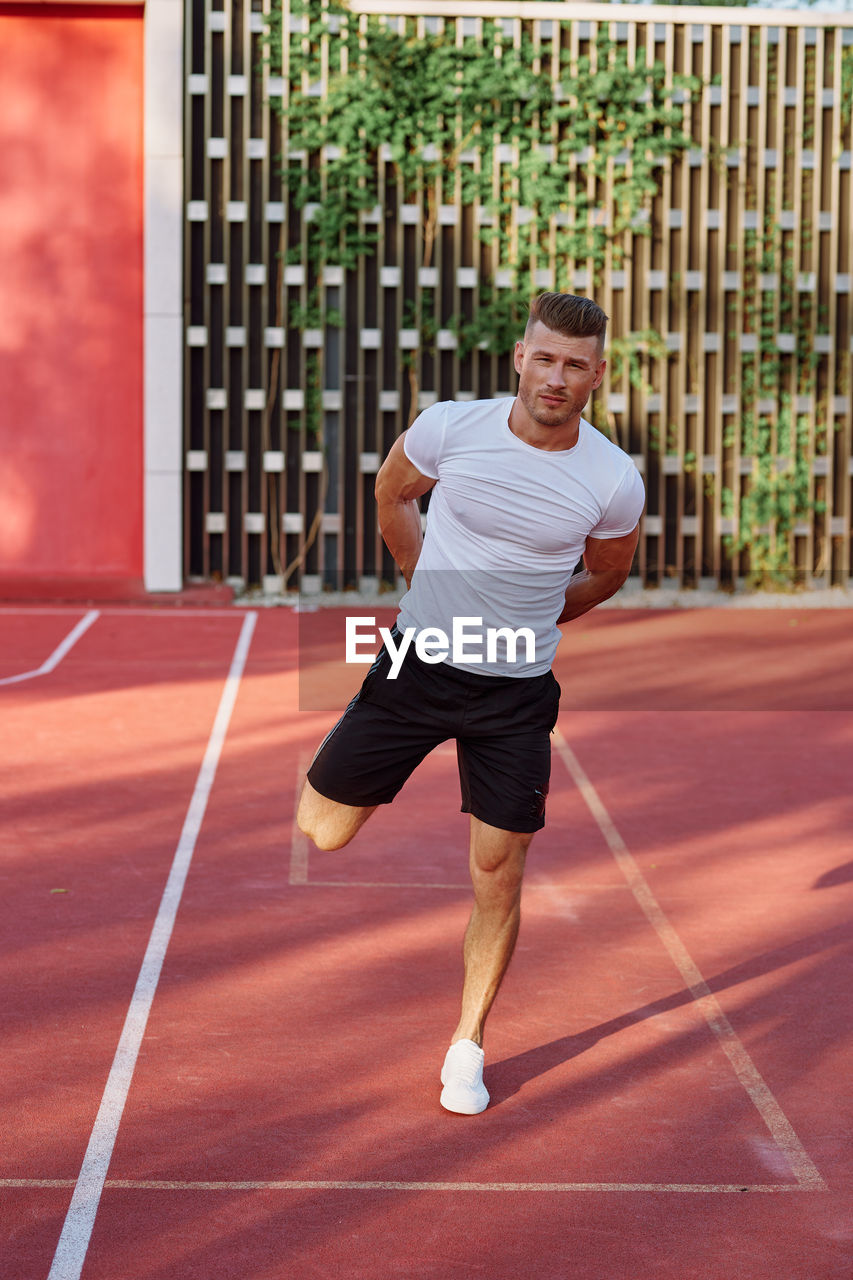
(507, 524)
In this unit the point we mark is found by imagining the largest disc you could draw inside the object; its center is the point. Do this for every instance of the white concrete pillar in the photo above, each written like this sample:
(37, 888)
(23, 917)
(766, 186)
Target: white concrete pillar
(163, 240)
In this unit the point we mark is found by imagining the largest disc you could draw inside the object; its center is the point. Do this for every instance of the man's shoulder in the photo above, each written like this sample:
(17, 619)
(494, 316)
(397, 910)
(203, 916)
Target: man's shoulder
(465, 424)
(450, 413)
(496, 409)
(605, 447)
(451, 429)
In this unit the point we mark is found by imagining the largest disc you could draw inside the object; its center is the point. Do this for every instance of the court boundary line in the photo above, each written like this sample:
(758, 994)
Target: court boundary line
(62, 649)
(311, 1184)
(74, 1239)
(378, 884)
(779, 1126)
(134, 611)
(299, 852)
(544, 885)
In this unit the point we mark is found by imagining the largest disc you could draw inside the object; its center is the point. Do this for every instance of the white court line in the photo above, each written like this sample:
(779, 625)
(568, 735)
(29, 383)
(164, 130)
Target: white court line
(543, 885)
(39, 610)
(177, 611)
(149, 1184)
(131, 611)
(780, 1127)
(77, 1228)
(378, 884)
(298, 839)
(51, 663)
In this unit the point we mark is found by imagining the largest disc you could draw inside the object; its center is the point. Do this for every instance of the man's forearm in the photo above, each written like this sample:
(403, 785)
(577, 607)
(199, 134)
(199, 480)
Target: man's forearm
(586, 590)
(400, 526)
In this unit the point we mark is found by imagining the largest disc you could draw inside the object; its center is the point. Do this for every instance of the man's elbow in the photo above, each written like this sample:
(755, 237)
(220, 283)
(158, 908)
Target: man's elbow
(390, 505)
(389, 492)
(608, 582)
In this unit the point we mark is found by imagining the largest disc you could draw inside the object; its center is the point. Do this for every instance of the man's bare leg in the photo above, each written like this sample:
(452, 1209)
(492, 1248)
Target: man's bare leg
(328, 823)
(497, 866)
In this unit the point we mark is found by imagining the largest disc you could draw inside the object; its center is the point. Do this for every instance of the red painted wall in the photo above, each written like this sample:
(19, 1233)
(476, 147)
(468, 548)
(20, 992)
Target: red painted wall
(71, 427)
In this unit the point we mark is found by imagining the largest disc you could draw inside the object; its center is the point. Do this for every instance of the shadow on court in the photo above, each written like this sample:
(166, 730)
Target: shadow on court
(507, 1077)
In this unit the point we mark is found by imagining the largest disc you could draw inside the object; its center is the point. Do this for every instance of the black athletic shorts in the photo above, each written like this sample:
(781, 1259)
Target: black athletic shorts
(502, 726)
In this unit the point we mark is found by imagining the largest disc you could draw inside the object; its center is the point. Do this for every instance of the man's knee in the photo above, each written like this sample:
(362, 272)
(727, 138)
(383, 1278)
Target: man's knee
(497, 863)
(325, 836)
(329, 824)
(320, 826)
(498, 885)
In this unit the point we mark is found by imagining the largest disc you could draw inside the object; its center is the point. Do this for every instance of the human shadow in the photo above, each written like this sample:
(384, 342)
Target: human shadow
(838, 875)
(507, 1077)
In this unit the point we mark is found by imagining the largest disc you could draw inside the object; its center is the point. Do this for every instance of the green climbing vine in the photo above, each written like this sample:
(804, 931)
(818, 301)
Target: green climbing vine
(553, 160)
(773, 436)
(481, 123)
(846, 86)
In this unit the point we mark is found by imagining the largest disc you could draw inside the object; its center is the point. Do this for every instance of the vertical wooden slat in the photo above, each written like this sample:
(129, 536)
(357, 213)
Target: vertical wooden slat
(718, 467)
(755, 229)
(253, 395)
(840, 267)
(812, 254)
(738, 117)
(259, 489)
(638, 309)
(217, 197)
(622, 412)
(271, 321)
(802, 237)
(197, 308)
(684, 322)
(307, 430)
(669, 325)
(829, 63)
(845, 266)
(336, 501)
(293, 516)
(706, 259)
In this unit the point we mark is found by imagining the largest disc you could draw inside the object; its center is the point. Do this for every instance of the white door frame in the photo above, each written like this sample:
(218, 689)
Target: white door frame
(163, 215)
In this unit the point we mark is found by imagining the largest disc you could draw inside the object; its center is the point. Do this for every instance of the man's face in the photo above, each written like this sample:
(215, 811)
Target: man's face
(556, 374)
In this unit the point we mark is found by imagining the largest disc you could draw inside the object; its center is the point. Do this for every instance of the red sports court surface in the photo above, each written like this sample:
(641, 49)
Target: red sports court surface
(221, 1046)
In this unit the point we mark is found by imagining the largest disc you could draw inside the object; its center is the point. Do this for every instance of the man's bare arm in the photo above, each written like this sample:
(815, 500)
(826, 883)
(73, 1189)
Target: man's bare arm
(399, 484)
(607, 564)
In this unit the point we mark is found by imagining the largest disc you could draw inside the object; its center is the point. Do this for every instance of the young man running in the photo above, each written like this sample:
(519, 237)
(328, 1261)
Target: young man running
(521, 490)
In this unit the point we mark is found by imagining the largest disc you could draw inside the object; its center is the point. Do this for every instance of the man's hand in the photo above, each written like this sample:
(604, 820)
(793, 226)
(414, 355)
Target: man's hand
(607, 564)
(399, 484)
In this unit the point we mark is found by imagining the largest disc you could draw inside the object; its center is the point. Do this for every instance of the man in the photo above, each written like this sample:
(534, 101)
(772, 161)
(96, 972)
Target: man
(521, 489)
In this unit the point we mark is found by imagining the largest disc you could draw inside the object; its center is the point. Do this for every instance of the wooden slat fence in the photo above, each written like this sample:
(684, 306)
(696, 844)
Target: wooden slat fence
(737, 305)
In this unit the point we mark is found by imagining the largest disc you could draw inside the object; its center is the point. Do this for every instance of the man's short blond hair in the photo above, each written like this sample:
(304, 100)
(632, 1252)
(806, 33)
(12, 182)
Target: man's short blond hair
(568, 314)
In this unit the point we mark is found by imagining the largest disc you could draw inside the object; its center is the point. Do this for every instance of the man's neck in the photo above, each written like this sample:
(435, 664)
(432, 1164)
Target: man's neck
(558, 438)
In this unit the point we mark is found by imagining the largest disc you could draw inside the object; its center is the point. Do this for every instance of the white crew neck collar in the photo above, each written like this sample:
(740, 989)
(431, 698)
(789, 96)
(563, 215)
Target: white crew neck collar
(557, 453)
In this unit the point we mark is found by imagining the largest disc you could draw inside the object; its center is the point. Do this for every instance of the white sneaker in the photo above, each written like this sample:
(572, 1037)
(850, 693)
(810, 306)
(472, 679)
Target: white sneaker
(462, 1077)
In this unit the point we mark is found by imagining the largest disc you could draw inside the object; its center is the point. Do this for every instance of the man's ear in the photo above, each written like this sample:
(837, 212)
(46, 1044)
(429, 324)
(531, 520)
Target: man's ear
(599, 376)
(518, 356)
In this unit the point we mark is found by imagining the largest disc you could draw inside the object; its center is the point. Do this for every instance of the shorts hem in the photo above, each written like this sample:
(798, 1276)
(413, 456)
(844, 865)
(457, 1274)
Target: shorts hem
(371, 802)
(527, 826)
